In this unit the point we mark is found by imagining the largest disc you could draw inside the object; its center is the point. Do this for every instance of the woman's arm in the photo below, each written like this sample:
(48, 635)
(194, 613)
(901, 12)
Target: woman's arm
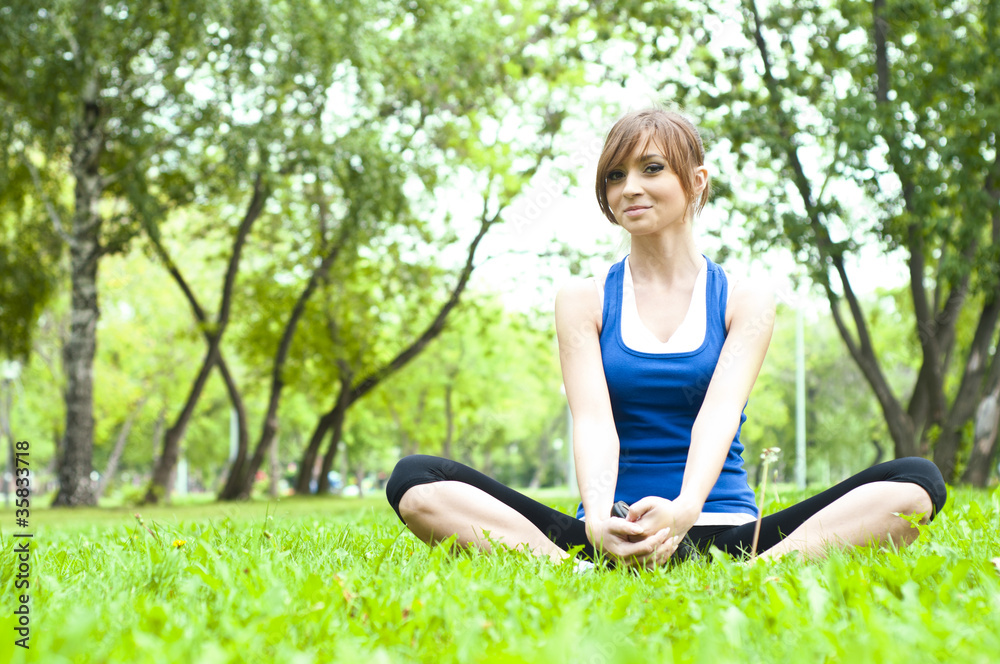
(595, 438)
(751, 309)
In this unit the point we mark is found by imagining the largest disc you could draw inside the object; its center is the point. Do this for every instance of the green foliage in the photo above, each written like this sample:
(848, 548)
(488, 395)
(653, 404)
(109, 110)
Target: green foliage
(28, 254)
(352, 116)
(842, 420)
(487, 392)
(823, 102)
(847, 129)
(332, 581)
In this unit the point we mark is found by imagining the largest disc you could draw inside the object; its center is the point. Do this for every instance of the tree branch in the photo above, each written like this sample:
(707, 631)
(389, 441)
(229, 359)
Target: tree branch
(437, 325)
(285, 344)
(174, 272)
(880, 27)
(254, 209)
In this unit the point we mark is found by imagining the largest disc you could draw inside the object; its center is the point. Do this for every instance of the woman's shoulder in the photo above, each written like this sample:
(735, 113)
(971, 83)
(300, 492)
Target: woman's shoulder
(580, 292)
(583, 287)
(580, 300)
(749, 296)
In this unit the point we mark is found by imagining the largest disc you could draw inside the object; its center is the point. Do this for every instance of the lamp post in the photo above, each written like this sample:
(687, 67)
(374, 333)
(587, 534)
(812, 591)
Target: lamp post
(800, 395)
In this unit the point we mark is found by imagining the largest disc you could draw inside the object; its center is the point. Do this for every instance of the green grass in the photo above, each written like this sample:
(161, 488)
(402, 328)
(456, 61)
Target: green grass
(327, 580)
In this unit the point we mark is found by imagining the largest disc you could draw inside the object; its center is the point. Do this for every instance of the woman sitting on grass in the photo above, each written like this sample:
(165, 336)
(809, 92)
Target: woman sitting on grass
(658, 358)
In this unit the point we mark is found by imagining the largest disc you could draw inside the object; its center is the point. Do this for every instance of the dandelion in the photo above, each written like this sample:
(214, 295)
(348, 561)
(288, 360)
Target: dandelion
(178, 543)
(767, 456)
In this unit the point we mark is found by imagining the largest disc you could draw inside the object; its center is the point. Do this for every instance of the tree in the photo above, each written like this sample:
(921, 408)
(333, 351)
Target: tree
(417, 132)
(159, 485)
(100, 93)
(373, 199)
(488, 384)
(355, 384)
(872, 121)
(287, 70)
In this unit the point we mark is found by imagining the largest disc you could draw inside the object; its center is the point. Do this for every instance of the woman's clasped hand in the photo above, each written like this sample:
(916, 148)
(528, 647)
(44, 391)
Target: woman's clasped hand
(648, 536)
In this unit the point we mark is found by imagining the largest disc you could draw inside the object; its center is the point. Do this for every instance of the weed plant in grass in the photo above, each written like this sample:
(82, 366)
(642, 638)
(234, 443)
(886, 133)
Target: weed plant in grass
(336, 581)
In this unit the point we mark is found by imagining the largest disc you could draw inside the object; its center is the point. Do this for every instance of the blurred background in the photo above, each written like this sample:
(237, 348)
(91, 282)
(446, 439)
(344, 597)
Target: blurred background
(264, 247)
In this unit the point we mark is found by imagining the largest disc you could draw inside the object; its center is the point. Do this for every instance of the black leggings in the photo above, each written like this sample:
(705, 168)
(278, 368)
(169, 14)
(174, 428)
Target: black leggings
(567, 531)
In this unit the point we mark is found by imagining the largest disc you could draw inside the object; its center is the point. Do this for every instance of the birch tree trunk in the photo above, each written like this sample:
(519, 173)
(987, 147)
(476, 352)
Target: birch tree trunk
(75, 466)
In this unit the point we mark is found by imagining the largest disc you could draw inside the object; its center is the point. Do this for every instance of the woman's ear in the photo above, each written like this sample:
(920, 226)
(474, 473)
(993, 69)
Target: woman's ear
(700, 179)
(700, 186)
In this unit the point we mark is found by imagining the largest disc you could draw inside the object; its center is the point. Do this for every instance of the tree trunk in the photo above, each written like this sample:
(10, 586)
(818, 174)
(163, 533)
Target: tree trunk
(985, 448)
(545, 451)
(242, 436)
(359, 477)
(160, 486)
(307, 464)
(979, 372)
(879, 452)
(274, 467)
(488, 461)
(239, 486)
(75, 486)
(407, 445)
(449, 418)
(339, 413)
(116, 453)
(323, 482)
(541, 464)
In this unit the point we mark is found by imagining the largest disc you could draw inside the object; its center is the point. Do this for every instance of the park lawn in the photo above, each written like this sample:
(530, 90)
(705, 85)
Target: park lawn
(329, 580)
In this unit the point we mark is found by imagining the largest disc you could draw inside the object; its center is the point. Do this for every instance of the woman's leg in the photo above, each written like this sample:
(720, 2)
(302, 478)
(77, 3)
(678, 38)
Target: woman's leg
(866, 515)
(437, 498)
(860, 510)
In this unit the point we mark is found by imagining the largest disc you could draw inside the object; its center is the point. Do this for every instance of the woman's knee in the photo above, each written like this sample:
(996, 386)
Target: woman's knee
(914, 499)
(417, 502)
(925, 475)
(411, 472)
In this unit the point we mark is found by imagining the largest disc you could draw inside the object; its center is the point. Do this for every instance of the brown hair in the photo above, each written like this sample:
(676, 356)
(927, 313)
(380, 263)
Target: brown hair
(677, 137)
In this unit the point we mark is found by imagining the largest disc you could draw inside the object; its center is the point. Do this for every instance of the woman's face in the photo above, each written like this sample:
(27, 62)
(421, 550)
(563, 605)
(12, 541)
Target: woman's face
(645, 195)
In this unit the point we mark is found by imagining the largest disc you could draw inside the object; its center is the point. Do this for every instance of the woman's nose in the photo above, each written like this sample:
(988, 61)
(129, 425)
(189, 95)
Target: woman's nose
(633, 187)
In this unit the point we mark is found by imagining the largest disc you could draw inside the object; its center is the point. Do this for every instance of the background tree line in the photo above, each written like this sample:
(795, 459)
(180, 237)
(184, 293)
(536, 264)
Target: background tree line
(270, 214)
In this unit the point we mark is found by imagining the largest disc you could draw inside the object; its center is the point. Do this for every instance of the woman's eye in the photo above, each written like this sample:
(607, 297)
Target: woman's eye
(615, 176)
(654, 168)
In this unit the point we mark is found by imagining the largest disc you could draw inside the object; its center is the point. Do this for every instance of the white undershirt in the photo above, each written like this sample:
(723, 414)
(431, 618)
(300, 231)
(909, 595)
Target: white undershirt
(688, 336)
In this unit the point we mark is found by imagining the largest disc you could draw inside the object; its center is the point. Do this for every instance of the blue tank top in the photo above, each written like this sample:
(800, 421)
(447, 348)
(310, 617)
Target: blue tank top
(655, 398)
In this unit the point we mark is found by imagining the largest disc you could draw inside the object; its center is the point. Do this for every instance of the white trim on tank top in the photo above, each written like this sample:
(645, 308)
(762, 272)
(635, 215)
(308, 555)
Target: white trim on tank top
(688, 336)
